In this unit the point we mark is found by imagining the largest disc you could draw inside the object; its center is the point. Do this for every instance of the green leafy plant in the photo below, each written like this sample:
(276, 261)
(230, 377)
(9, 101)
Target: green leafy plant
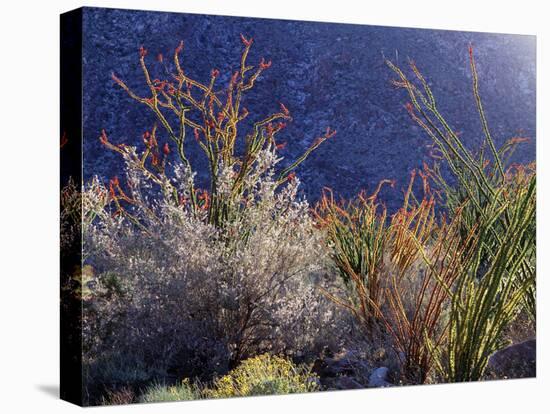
(488, 295)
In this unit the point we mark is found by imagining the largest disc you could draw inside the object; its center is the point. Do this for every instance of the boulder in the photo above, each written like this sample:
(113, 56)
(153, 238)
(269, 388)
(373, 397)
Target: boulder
(342, 364)
(347, 383)
(379, 378)
(515, 361)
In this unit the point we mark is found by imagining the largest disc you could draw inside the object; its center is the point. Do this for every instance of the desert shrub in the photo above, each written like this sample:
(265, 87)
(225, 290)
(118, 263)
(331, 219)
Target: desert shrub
(496, 207)
(264, 375)
(260, 375)
(178, 291)
(189, 281)
(161, 393)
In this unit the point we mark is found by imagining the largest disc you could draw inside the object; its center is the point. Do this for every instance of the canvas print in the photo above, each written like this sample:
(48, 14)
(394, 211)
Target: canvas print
(257, 206)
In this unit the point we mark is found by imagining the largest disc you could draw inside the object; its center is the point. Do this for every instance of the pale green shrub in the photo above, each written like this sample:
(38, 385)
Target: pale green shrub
(171, 289)
(162, 393)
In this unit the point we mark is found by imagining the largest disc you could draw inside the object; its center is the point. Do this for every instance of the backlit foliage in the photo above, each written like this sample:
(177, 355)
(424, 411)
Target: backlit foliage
(264, 375)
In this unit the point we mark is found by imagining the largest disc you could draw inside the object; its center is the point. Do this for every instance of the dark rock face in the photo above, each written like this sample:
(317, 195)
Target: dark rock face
(515, 361)
(327, 75)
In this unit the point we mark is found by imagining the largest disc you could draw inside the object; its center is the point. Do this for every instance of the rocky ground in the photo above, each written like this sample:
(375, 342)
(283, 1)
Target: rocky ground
(327, 75)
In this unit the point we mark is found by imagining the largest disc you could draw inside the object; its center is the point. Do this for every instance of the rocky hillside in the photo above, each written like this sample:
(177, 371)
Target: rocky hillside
(327, 75)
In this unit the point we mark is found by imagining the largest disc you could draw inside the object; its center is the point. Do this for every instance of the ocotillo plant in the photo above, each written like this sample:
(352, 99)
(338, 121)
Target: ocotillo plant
(501, 273)
(487, 295)
(397, 271)
(421, 252)
(357, 233)
(480, 175)
(215, 126)
(412, 226)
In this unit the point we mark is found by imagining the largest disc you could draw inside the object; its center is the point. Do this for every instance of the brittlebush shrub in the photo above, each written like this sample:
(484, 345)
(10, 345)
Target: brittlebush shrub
(178, 292)
(264, 375)
(191, 281)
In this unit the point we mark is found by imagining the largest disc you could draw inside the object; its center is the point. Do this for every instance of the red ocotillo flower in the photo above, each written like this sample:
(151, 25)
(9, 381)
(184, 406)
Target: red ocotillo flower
(115, 181)
(197, 134)
(233, 80)
(246, 42)
(215, 73)
(103, 138)
(264, 64)
(179, 48)
(146, 135)
(159, 85)
(205, 198)
(284, 109)
(276, 128)
(166, 149)
(329, 133)
(155, 159)
(291, 177)
(142, 52)
(117, 80)
(518, 140)
(280, 146)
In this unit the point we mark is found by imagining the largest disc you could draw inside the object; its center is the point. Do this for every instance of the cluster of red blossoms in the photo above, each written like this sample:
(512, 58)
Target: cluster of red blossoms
(219, 112)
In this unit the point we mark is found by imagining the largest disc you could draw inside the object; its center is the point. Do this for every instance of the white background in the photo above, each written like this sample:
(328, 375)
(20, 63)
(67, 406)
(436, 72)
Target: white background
(29, 143)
